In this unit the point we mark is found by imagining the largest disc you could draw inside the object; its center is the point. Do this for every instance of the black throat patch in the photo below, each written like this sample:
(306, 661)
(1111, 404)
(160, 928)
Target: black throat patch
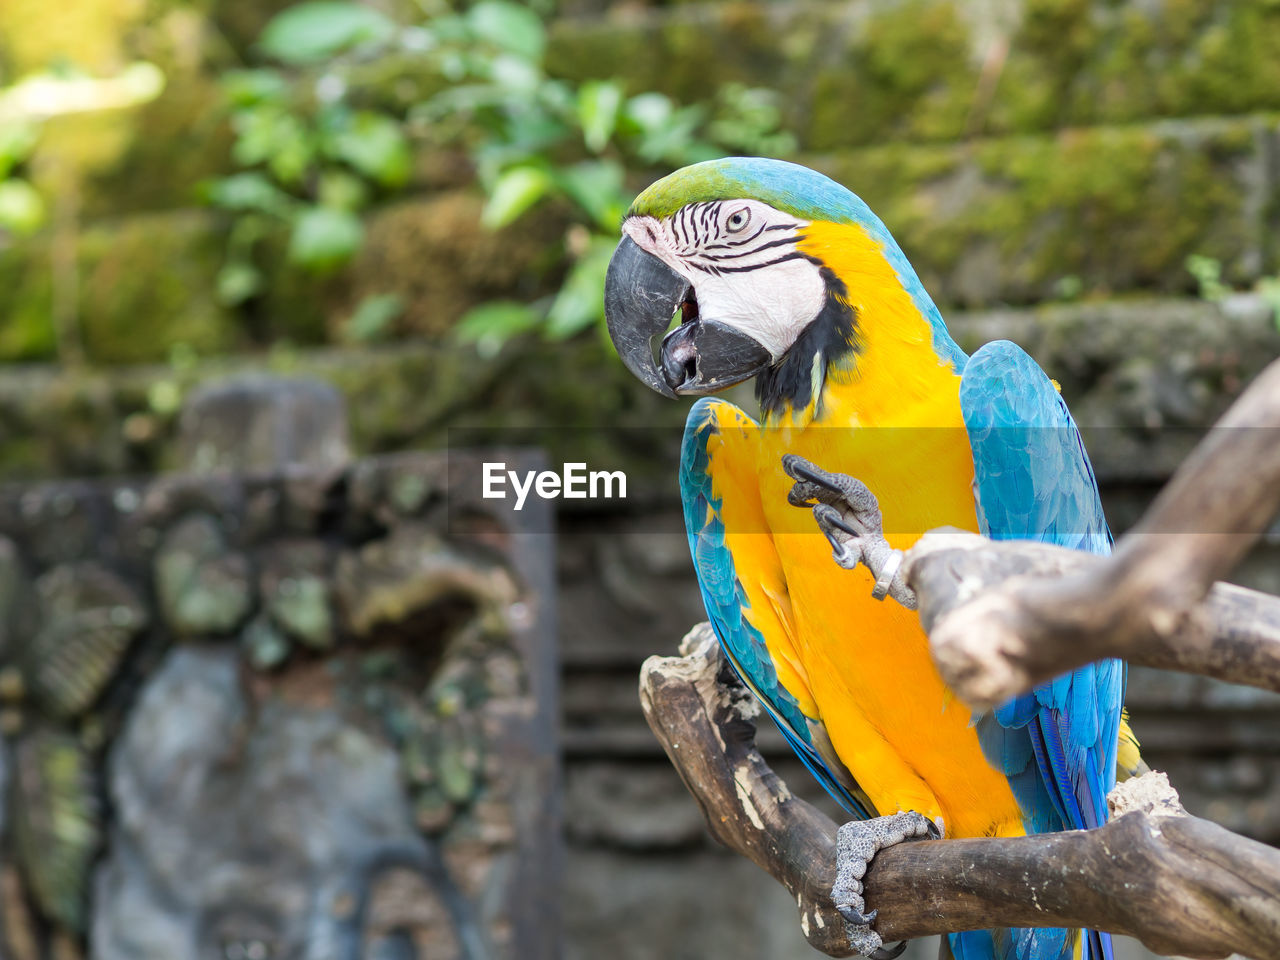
(833, 334)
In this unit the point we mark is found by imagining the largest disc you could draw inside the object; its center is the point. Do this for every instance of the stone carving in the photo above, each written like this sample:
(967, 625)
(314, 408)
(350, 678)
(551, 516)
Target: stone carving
(88, 618)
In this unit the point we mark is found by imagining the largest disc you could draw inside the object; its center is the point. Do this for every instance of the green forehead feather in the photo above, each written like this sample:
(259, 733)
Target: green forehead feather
(789, 187)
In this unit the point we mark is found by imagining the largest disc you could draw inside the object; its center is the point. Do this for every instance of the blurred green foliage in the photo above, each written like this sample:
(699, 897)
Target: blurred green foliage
(1207, 272)
(535, 139)
(22, 209)
(310, 158)
(313, 160)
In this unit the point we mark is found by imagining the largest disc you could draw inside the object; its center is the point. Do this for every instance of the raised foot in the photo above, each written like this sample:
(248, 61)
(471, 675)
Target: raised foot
(857, 842)
(848, 514)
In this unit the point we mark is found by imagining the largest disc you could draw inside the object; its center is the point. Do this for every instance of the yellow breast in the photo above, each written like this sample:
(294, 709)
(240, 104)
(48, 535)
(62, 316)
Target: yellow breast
(894, 422)
(892, 721)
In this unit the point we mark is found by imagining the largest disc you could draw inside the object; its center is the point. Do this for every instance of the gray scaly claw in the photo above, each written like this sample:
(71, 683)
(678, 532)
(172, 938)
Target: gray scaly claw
(854, 917)
(845, 551)
(857, 842)
(848, 515)
(890, 953)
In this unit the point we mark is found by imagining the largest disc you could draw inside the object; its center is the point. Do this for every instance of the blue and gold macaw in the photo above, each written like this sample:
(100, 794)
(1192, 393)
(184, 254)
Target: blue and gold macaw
(779, 273)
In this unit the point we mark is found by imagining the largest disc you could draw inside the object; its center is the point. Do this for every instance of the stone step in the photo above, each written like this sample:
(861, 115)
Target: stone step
(870, 71)
(1090, 211)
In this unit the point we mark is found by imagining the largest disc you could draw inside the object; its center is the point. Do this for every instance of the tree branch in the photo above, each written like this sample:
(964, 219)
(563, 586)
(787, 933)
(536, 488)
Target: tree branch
(1003, 617)
(991, 609)
(1177, 883)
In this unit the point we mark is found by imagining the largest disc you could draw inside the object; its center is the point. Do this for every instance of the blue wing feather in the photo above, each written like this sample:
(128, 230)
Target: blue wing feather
(1033, 481)
(725, 601)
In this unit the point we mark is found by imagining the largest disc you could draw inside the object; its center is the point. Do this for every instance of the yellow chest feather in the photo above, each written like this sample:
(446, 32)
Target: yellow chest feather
(894, 422)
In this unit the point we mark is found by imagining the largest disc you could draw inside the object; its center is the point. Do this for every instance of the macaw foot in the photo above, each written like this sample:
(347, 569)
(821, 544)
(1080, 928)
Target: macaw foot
(848, 514)
(856, 843)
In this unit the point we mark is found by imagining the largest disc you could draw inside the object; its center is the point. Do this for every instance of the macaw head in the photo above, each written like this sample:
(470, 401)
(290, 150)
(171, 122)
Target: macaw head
(745, 250)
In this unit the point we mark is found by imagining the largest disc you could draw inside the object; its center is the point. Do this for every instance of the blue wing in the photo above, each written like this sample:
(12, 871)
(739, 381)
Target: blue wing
(1033, 481)
(728, 605)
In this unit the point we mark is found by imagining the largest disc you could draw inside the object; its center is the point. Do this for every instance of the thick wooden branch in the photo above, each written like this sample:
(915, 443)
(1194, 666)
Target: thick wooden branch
(994, 631)
(705, 720)
(1005, 616)
(1177, 883)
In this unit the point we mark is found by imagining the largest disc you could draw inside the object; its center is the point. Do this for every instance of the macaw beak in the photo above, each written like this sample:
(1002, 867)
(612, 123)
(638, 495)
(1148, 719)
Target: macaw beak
(701, 356)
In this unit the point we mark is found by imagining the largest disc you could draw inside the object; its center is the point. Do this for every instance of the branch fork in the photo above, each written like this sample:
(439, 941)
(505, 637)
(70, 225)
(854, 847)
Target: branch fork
(1179, 884)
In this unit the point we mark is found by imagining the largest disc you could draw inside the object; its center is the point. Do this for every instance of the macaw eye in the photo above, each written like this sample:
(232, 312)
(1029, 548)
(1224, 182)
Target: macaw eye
(738, 220)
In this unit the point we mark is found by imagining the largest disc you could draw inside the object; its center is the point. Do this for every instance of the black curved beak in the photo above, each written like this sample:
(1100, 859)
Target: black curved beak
(641, 295)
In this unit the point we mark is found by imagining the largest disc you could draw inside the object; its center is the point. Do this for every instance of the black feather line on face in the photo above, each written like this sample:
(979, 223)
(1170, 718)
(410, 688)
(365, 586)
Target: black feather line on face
(833, 333)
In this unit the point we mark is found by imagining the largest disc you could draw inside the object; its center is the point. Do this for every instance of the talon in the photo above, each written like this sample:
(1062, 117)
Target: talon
(935, 831)
(890, 953)
(813, 483)
(832, 516)
(792, 462)
(851, 913)
(797, 468)
(798, 499)
(845, 554)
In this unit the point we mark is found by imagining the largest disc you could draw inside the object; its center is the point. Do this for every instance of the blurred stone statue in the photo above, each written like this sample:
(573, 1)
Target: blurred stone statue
(300, 710)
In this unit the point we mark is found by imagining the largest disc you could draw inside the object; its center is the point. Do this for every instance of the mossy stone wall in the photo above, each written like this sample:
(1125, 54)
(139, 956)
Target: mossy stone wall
(866, 71)
(1083, 212)
(1144, 377)
(1022, 151)
(142, 285)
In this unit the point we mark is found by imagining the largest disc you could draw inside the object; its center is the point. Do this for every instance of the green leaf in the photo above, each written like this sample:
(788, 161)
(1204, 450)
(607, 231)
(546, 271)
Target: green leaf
(446, 28)
(342, 191)
(270, 134)
(247, 88)
(465, 98)
(315, 31)
(557, 96)
(649, 111)
(375, 145)
(674, 140)
(21, 207)
(511, 73)
(17, 140)
(598, 104)
(515, 191)
(580, 302)
(373, 317)
(1208, 274)
(509, 26)
(597, 187)
(237, 282)
(248, 191)
(747, 122)
(164, 397)
(535, 132)
(1269, 289)
(490, 325)
(324, 238)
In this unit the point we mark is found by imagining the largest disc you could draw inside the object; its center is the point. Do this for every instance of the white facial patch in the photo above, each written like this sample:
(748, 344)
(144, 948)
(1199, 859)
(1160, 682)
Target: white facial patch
(740, 257)
(772, 304)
